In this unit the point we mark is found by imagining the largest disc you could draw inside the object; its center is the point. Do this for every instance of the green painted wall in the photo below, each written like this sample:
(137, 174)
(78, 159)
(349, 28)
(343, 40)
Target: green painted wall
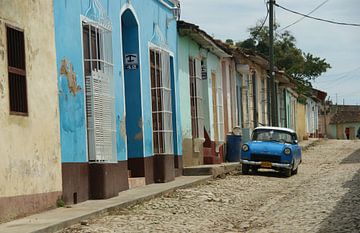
(189, 48)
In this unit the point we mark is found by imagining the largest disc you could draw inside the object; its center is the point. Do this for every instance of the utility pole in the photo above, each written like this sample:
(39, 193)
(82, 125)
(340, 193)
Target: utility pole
(271, 58)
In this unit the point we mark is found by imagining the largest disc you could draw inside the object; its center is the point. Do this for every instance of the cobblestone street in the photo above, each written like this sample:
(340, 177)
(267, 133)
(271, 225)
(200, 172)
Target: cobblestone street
(323, 197)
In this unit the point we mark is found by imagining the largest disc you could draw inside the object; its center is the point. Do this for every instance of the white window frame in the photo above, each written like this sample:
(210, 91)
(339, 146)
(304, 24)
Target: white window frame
(162, 130)
(196, 98)
(99, 95)
(220, 109)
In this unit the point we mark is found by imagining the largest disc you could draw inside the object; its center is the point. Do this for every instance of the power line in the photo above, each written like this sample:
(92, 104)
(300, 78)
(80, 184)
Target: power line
(319, 19)
(336, 75)
(297, 21)
(263, 23)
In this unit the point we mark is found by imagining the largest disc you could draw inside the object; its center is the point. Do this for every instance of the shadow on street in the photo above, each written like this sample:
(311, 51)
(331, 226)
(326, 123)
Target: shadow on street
(346, 216)
(267, 173)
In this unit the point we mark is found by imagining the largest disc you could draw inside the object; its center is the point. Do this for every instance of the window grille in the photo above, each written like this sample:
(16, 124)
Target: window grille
(160, 75)
(283, 108)
(196, 100)
(220, 110)
(263, 101)
(99, 90)
(16, 71)
(217, 94)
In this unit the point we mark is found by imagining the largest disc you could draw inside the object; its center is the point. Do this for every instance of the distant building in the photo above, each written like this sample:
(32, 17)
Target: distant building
(344, 119)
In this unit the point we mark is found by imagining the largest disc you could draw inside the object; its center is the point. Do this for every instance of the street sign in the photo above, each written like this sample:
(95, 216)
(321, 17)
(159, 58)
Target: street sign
(131, 61)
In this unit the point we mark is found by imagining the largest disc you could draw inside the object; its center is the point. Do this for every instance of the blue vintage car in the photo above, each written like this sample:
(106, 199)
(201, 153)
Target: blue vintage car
(273, 148)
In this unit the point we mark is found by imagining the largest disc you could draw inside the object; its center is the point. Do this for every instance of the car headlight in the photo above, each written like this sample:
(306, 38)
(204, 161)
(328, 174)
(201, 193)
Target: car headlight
(287, 151)
(245, 147)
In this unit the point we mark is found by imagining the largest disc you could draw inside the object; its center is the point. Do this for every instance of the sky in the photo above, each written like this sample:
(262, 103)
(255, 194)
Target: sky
(339, 45)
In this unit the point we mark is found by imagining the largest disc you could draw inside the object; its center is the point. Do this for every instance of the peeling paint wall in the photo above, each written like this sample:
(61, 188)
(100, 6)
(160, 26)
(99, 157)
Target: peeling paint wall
(30, 145)
(67, 70)
(68, 35)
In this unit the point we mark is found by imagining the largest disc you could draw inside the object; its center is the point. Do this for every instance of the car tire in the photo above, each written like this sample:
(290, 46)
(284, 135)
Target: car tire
(254, 169)
(287, 172)
(245, 169)
(294, 172)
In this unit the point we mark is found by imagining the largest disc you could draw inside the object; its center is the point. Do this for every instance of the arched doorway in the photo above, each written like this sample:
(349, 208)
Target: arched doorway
(132, 81)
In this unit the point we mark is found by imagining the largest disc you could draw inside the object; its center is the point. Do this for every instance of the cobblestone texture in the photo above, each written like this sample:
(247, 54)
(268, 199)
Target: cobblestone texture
(323, 197)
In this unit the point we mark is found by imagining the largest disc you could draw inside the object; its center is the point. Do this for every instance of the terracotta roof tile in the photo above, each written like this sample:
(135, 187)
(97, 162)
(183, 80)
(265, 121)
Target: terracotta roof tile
(345, 117)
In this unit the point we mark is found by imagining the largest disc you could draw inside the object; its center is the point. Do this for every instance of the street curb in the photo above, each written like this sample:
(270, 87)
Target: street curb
(99, 212)
(215, 171)
(312, 144)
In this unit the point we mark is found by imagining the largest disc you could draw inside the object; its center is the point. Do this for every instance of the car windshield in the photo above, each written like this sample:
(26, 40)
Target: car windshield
(272, 135)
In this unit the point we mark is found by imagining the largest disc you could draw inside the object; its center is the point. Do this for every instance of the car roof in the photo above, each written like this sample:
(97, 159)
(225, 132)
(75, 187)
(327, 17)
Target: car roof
(274, 128)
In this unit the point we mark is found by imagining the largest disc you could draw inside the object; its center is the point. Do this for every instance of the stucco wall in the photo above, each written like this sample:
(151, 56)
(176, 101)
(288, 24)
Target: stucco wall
(213, 66)
(187, 48)
(338, 131)
(69, 46)
(29, 145)
(300, 120)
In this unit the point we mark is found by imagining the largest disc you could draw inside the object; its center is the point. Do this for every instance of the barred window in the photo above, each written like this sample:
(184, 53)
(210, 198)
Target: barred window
(160, 75)
(263, 101)
(217, 93)
(99, 90)
(196, 100)
(16, 72)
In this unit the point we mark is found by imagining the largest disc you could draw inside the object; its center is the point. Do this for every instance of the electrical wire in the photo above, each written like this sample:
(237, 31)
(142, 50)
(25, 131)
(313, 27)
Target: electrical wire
(319, 19)
(297, 21)
(263, 23)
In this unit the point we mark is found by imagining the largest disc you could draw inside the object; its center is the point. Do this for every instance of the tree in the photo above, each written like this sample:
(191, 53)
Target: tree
(229, 42)
(304, 67)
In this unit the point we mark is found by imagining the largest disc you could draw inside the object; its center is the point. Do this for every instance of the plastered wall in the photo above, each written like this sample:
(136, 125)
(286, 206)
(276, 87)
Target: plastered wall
(29, 145)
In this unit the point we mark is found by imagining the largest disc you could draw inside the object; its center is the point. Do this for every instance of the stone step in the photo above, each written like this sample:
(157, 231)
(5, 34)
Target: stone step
(136, 182)
(215, 170)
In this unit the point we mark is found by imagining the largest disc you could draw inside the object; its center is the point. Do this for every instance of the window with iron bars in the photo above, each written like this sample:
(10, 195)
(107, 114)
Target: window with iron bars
(99, 92)
(196, 100)
(263, 101)
(219, 109)
(160, 75)
(16, 71)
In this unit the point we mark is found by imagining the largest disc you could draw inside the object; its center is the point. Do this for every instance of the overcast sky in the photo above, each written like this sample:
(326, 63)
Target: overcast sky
(339, 45)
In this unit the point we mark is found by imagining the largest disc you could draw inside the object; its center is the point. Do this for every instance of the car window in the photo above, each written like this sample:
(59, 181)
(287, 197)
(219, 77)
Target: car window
(272, 135)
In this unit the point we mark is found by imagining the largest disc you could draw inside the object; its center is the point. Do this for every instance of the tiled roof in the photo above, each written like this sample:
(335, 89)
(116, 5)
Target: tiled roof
(345, 117)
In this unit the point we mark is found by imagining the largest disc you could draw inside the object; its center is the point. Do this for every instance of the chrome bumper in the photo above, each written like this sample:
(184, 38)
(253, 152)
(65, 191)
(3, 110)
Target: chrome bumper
(277, 165)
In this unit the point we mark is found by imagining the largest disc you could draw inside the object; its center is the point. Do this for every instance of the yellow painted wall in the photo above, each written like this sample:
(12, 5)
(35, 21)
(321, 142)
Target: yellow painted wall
(300, 120)
(30, 145)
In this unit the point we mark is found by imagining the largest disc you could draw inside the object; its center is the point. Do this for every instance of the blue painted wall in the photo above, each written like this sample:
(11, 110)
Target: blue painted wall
(69, 46)
(134, 128)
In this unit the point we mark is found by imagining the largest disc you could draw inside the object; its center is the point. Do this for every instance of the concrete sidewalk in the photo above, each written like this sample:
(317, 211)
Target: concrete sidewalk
(57, 219)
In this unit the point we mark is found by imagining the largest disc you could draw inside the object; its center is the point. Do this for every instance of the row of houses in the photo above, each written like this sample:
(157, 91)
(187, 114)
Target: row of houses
(100, 96)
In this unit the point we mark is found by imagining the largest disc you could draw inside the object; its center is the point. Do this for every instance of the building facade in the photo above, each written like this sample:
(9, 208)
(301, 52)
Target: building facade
(30, 168)
(201, 91)
(119, 112)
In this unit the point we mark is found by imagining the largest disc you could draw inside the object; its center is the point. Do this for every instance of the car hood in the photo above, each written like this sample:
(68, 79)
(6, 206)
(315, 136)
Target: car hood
(267, 147)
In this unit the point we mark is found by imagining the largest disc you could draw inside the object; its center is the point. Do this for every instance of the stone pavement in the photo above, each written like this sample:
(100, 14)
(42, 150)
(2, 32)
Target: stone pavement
(323, 197)
(53, 220)
(305, 144)
(57, 219)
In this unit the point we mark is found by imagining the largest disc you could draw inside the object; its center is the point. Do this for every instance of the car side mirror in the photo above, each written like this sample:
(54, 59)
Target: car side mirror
(296, 142)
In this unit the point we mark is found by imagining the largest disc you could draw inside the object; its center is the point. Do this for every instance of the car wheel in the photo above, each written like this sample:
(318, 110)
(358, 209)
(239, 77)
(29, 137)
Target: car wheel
(294, 172)
(245, 169)
(254, 169)
(287, 172)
